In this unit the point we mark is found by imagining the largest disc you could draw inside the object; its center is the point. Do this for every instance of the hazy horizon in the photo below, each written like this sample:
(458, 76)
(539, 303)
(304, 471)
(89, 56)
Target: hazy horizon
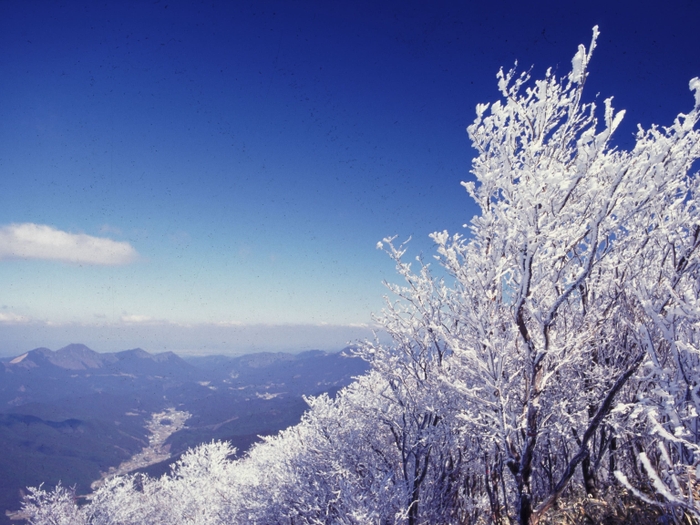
(196, 340)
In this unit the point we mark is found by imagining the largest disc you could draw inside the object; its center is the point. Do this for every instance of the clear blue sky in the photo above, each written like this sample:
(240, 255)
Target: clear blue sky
(214, 176)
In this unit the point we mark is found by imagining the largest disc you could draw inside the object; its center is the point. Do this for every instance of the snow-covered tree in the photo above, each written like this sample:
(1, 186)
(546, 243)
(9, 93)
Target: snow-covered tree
(55, 507)
(570, 324)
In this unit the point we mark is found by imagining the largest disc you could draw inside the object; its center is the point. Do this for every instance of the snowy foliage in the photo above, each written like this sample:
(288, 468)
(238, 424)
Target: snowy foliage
(559, 358)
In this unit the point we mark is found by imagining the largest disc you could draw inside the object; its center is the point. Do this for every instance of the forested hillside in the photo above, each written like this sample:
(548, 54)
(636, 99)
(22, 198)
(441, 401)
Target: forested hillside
(550, 372)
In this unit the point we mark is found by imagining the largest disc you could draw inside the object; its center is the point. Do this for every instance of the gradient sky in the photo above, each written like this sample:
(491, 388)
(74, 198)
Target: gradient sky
(214, 176)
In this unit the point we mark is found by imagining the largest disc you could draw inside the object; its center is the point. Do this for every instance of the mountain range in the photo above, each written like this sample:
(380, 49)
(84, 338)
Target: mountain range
(73, 413)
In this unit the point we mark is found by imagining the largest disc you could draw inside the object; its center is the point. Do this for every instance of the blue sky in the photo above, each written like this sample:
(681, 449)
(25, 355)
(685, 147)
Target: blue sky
(214, 176)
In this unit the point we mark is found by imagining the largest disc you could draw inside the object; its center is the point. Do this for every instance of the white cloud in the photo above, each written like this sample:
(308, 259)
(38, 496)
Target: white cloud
(227, 323)
(11, 318)
(39, 241)
(137, 319)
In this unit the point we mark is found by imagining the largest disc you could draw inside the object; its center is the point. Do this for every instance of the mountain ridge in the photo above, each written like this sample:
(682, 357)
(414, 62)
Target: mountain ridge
(78, 356)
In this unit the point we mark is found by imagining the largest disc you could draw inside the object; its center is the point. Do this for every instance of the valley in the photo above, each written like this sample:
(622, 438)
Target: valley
(161, 426)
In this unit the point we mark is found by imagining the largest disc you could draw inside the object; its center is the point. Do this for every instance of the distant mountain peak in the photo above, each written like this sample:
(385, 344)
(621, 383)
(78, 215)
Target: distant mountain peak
(74, 348)
(139, 353)
(76, 357)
